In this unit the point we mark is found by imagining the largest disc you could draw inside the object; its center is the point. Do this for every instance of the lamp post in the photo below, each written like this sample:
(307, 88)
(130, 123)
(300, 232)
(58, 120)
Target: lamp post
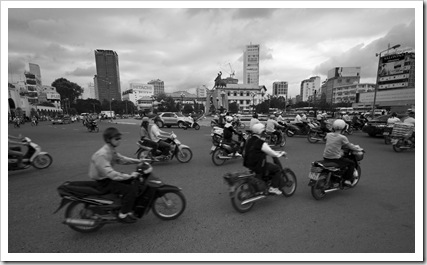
(222, 97)
(376, 84)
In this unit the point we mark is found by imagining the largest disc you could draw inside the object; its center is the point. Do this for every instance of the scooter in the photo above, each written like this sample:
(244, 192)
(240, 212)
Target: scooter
(90, 208)
(224, 151)
(326, 177)
(33, 157)
(245, 187)
(293, 129)
(182, 152)
(92, 126)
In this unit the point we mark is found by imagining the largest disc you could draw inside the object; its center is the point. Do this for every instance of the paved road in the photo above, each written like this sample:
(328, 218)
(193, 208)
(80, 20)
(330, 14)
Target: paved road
(376, 217)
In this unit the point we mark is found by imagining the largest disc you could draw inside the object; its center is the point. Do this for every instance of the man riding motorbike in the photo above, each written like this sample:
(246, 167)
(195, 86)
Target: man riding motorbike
(332, 153)
(101, 170)
(272, 126)
(156, 135)
(228, 135)
(145, 136)
(256, 151)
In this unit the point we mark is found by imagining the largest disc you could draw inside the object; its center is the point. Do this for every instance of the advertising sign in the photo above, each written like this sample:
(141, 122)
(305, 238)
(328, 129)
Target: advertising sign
(392, 65)
(344, 72)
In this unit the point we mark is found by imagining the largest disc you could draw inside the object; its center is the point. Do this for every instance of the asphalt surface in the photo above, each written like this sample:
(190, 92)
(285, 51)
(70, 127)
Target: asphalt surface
(377, 217)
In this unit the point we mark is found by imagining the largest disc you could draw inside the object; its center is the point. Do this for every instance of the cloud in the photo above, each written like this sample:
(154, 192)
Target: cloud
(87, 72)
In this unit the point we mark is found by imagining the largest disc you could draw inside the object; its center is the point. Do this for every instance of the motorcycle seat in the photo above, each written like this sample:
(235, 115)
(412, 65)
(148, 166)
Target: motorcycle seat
(82, 187)
(328, 165)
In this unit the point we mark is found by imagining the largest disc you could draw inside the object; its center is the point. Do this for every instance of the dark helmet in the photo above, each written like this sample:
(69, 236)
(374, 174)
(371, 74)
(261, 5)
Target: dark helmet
(394, 114)
(255, 115)
(110, 133)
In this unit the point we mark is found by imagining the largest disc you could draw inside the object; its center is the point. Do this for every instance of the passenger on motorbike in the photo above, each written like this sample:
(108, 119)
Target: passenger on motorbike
(15, 143)
(393, 119)
(335, 141)
(256, 151)
(253, 121)
(228, 136)
(156, 135)
(145, 136)
(101, 170)
(272, 126)
(301, 121)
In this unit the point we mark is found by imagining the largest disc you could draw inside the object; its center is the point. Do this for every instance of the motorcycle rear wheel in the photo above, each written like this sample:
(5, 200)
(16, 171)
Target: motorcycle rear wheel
(215, 156)
(169, 206)
(42, 161)
(184, 155)
(243, 191)
(79, 210)
(289, 176)
(312, 137)
(318, 190)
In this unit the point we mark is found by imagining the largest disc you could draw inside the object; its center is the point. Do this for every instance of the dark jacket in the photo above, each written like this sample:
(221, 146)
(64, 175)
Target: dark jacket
(254, 157)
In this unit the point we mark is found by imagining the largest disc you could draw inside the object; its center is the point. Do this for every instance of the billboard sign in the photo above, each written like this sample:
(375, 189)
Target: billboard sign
(344, 72)
(394, 70)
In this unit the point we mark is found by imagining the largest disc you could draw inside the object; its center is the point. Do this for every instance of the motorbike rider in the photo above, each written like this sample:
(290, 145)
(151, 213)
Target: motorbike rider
(228, 136)
(271, 127)
(254, 120)
(190, 121)
(347, 120)
(301, 121)
(411, 120)
(393, 119)
(145, 136)
(156, 135)
(16, 142)
(256, 151)
(101, 170)
(332, 153)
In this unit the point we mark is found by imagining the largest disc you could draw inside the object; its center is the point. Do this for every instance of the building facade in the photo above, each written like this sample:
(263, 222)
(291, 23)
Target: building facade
(309, 88)
(138, 91)
(251, 65)
(280, 89)
(349, 93)
(107, 77)
(337, 77)
(159, 86)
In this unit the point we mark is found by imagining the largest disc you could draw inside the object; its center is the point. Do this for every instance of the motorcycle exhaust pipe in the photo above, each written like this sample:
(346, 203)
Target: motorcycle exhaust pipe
(254, 199)
(224, 157)
(331, 190)
(80, 222)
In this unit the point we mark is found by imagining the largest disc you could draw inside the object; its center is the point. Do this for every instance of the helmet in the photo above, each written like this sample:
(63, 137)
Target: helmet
(258, 128)
(229, 119)
(338, 124)
(144, 168)
(110, 133)
(145, 119)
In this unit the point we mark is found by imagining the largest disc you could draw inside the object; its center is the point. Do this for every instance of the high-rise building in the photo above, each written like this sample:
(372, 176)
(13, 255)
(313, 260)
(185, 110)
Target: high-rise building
(251, 65)
(309, 88)
(280, 89)
(35, 69)
(159, 86)
(337, 77)
(107, 75)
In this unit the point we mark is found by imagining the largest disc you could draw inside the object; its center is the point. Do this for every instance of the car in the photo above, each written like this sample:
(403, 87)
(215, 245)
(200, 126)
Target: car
(377, 125)
(172, 119)
(58, 120)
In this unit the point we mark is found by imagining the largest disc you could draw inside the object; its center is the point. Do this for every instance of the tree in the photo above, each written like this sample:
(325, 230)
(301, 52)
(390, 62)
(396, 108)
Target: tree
(188, 108)
(233, 107)
(67, 89)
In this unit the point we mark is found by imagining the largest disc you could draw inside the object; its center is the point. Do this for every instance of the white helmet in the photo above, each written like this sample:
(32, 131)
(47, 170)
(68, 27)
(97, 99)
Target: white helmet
(229, 119)
(258, 128)
(338, 124)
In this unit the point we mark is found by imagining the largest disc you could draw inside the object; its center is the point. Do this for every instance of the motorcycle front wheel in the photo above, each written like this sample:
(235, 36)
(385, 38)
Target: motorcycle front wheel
(312, 137)
(318, 190)
(242, 192)
(169, 206)
(396, 147)
(42, 161)
(216, 156)
(290, 181)
(283, 142)
(79, 210)
(184, 155)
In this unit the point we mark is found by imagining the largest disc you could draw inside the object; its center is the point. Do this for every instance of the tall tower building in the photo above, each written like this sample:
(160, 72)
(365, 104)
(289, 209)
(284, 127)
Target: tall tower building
(159, 86)
(107, 75)
(251, 65)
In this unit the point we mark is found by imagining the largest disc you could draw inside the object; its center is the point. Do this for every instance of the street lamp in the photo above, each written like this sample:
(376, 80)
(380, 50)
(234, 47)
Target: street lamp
(376, 84)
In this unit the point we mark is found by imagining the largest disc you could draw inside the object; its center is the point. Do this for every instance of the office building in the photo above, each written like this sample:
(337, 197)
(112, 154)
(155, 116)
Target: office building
(159, 86)
(339, 76)
(107, 75)
(309, 88)
(139, 91)
(251, 65)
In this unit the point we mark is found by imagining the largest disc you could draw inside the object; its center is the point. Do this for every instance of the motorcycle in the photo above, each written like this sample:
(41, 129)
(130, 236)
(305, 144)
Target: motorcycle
(293, 129)
(33, 157)
(245, 188)
(92, 126)
(34, 123)
(89, 208)
(224, 151)
(182, 152)
(188, 124)
(326, 176)
(315, 135)
(403, 137)
(272, 139)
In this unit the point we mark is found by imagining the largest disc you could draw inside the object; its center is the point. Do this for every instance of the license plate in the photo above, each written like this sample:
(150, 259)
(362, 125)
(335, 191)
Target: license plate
(386, 133)
(313, 175)
(213, 147)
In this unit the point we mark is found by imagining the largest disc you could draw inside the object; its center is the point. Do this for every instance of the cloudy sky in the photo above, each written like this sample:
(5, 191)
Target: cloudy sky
(187, 47)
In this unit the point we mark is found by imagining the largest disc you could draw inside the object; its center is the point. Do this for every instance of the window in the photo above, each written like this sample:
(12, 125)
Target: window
(241, 94)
